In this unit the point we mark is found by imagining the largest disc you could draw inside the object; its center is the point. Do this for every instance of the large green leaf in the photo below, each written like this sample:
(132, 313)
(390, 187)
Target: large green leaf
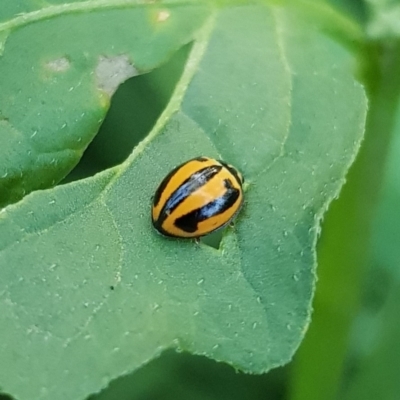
(88, 291)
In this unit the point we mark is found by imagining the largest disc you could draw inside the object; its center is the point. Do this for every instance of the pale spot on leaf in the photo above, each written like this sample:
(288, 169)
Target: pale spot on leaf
(59, 64)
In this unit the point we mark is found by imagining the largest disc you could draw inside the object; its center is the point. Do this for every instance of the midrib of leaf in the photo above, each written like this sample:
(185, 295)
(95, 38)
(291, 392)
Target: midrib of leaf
(194, 59)
(84, 6)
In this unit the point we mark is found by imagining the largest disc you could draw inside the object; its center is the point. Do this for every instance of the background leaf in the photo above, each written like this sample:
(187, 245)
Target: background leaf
(54, 98)
(89, 291)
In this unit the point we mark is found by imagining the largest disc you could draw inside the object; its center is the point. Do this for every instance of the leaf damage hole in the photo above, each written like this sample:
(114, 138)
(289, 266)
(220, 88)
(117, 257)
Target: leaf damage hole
(61, 64)
(112, 71)
(214, 239)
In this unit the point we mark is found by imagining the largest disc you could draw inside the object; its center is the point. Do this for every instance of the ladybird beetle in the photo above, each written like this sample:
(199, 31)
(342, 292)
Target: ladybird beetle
(197, 198)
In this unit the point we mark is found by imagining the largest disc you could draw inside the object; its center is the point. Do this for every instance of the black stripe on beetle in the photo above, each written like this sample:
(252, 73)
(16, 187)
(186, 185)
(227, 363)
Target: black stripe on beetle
(189, 222)
(163, 185)
(189, 186)
(165, 182)
(233, 171)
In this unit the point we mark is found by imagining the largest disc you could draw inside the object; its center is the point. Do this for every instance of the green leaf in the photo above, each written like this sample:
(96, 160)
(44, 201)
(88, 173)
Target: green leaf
(59, 66)
(88, 290)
